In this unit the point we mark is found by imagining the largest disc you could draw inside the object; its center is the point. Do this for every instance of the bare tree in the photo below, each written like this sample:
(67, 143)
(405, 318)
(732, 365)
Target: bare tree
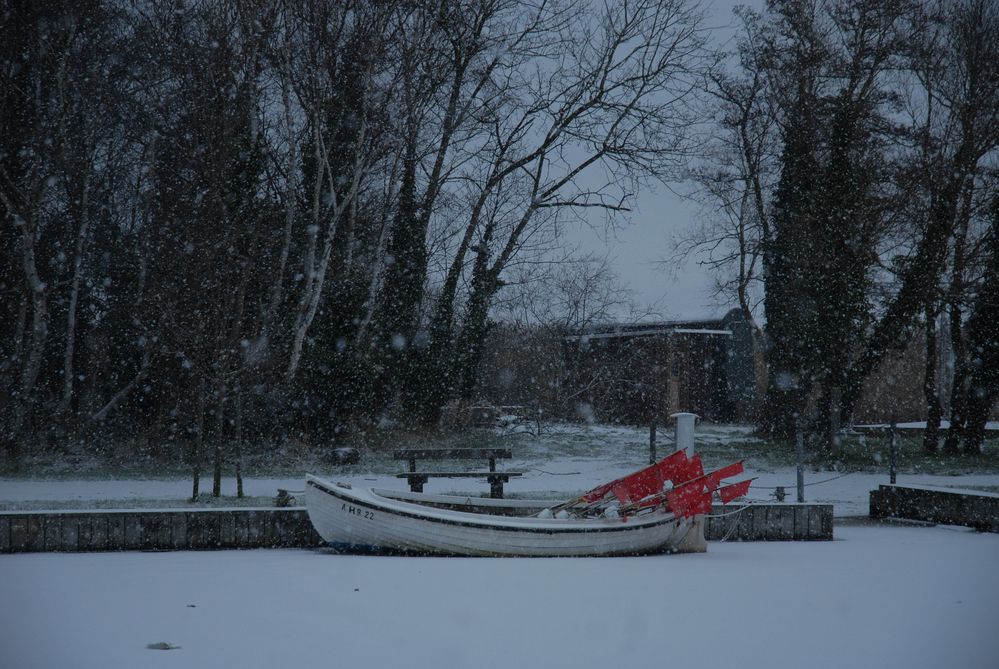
(55, 136)
(736, 177)
(958, 129)
(343, 46)
(602, 109)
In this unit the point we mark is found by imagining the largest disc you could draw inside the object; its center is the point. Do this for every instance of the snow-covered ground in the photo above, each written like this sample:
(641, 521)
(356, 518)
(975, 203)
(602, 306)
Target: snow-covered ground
(849, 494)
(558, 464)
(875, 597)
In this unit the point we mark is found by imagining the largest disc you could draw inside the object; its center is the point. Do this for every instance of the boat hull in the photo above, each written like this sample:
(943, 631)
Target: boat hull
(348, 518)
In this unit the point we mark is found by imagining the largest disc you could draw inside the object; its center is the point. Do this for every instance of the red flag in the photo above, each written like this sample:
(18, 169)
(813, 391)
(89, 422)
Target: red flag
(640, 484)
(713, 479)
(674, 468)
(695, 469)
(626, 487)
(599, 492)
(730, 492)
(701, 505)
(685, 500)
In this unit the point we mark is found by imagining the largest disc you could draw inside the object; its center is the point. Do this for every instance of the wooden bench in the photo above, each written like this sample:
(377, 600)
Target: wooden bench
(418, 478)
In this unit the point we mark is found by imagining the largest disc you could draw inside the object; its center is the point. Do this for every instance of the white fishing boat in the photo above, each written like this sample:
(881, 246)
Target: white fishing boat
(352, 519)
(658, 509)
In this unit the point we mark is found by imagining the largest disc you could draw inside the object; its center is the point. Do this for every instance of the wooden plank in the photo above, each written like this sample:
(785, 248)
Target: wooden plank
(149, 528)
(5, 534)
(70, 529)
(745, 522)
(227, 529)
(98, 532)
(268, 533)
(814, 523)
(283, 530)
(786, 532)
(84, 524)
(240, 531)
(254, 530)
(759, 527)
(51, 532)
(133, 532)
(164, 537)
(116, 532)
(773, 524)
(800, 523)
(827, 522)
(193, 530)
(178, 530)
(36, 533)
(452, 453)
(211, 531)
(18, 534)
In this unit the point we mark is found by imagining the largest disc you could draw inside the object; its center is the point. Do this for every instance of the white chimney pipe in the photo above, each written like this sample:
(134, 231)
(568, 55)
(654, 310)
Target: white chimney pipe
(685, 431)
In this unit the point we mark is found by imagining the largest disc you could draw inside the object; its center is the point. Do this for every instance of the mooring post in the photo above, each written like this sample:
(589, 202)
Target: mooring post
(799, 455)
(685, 431)
(892, 450)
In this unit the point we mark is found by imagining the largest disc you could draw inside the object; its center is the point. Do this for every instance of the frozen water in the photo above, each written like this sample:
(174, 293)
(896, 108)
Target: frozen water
(875, 597)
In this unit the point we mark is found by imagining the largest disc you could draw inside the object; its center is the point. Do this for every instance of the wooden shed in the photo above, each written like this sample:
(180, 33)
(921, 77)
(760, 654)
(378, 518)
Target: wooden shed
(634, 372)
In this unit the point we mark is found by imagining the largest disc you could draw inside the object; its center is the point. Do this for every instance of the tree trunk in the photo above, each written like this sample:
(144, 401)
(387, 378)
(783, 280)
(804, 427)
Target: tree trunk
(199, 437)
(290, 204)
(36, 344)
(931, 436)
(835, 409)
(983, 346)
(74, 294)
(217, 437)
(955, 296)
(238, 392)
(959, 385)
(315, 275)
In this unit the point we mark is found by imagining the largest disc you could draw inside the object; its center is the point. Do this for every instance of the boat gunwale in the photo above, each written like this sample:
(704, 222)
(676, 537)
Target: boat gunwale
(506, 524)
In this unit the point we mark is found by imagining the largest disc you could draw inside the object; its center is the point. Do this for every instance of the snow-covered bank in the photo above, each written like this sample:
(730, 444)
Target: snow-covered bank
(849, 494)
(875, 597)
(562, 461)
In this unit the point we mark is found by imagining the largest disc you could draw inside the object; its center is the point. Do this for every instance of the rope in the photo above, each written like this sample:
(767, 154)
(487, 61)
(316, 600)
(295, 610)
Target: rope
(742, 508)
(732, 525)
(794, 485)
(534, 469)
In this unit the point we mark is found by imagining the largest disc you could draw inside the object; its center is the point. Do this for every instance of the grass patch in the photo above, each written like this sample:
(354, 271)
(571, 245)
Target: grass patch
(873, 454)
(980, 488)
(625, 445)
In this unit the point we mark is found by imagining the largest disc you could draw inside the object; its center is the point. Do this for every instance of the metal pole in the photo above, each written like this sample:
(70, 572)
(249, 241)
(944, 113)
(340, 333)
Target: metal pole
(799, 456)
(652, 442)
(892, 451)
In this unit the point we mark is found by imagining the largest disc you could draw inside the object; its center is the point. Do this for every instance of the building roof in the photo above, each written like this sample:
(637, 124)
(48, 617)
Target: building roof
(713, 327)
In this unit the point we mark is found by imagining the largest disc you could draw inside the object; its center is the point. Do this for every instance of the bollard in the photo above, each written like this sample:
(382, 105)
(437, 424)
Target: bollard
(685, 431)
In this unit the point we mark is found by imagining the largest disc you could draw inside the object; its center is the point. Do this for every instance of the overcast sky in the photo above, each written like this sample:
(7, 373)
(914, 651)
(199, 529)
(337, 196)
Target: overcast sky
(639, 247)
